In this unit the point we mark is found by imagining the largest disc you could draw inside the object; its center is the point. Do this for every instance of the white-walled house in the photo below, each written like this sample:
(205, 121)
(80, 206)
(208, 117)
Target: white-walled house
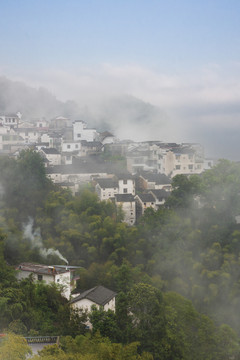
(59, 122)
(106, 188)
(79, 172)
(80, 132)
(54, 139)
(149, 180)
(209, 163)
(42, 124)
(126, 184)
(128, 206)
(106, 138)
(90, 147)
(52, 155)
(143, 202)
(98, 296)
(160, 196)
(57, 274)
(28, 132)
(10, 120)
(10, 141)
(71, 146)
(165, 158)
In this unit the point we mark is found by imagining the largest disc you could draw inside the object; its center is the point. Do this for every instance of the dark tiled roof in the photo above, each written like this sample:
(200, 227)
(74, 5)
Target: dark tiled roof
(91, 144)
(107, 183)
(159, 179)
(27, 129)
(43, 144)
(66, 183)
(99, 295)
(11, 115)
(160, 194)
(75, 169)
(124, 176)
(146, 197)
(42, 269)
(77, 121)
(183, 151)
(105, 134)
(124, 197)
(50, 151)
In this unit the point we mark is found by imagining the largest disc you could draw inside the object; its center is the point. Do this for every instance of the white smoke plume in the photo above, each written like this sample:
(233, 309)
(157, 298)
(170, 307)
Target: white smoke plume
(34, 236)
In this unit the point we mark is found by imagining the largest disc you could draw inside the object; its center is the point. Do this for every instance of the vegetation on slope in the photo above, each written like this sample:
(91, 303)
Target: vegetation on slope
(187, 250)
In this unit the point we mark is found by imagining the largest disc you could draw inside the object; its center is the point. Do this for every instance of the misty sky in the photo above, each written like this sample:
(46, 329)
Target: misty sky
(182, 55)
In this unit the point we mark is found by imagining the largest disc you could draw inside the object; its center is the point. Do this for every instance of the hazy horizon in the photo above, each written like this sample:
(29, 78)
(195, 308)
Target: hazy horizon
(181, 57)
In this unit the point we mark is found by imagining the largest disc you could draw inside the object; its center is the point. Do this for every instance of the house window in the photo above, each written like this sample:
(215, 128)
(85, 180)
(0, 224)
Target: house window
(190, 167)
(178, 167)
(79, 135)
(39, 277)
(125, 190)
(125, 182)
(76, 146)
(68, 146)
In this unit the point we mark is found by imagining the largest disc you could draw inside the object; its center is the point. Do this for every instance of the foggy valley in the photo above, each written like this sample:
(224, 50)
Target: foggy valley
(119, 180)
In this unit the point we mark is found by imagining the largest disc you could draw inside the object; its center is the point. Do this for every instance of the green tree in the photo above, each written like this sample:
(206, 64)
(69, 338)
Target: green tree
(148, 318)
(14, 347)
(105, 322)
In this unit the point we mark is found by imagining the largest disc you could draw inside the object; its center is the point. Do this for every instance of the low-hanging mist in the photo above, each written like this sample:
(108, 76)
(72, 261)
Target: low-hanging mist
(137, 103)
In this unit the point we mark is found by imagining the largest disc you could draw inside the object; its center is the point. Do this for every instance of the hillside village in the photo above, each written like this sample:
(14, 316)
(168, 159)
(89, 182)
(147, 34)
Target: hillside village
(177, 263)
(75, 155)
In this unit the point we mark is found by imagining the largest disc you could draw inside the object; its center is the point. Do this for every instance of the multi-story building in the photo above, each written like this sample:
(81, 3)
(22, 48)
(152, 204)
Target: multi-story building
(127, 204)
(106, 188)
(52, 155)
(126, 184)
(170, 159)
(10, 120)
(57, 274)
(143, 202)
(81, 132)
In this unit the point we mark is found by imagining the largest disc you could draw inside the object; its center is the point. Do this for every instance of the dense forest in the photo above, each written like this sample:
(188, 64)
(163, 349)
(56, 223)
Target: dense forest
(176, 272)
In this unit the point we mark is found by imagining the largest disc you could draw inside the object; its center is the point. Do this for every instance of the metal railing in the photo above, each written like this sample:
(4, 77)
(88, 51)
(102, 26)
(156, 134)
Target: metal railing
(42, 339)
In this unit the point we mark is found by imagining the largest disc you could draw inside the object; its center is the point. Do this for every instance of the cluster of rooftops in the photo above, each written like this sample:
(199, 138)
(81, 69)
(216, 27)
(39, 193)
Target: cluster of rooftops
(98, 295)
(72, 154)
